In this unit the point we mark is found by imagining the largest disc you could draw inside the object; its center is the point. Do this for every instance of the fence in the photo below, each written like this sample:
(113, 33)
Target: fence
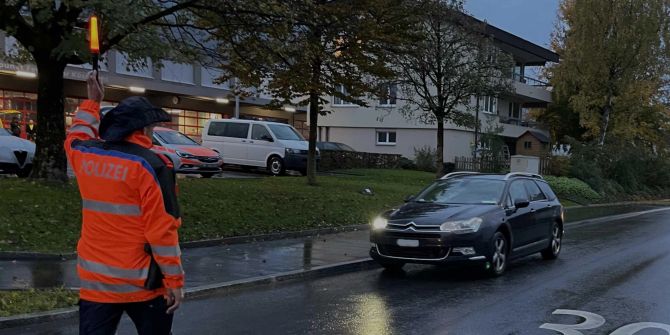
(490, 165)
(333, 160)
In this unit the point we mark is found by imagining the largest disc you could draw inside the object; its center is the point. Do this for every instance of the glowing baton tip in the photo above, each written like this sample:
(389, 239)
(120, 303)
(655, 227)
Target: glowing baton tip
(93, 35)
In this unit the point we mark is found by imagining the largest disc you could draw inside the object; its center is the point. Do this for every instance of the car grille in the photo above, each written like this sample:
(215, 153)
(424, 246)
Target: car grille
(21, 156)
(419, 252)
(208, 159)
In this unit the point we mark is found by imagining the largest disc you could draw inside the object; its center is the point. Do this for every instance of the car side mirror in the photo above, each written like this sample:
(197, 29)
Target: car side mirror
(409, 198)
(267, 138)
(521, 203)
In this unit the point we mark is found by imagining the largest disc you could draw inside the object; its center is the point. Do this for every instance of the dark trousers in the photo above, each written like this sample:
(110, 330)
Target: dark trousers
(149, 317)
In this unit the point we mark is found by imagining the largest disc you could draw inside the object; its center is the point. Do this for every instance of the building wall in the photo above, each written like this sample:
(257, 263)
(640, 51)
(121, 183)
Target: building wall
(456, 143)
(537, 148)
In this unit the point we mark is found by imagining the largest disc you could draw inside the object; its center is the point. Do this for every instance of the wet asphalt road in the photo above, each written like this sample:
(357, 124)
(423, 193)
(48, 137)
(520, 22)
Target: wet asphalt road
(618, 270)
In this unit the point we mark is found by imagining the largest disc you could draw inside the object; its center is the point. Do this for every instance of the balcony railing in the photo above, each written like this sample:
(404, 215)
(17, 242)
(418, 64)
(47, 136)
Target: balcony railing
(529, 81)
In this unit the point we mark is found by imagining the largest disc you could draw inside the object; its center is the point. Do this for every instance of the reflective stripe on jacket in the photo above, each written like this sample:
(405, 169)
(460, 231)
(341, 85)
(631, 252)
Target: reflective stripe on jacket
(128, 200)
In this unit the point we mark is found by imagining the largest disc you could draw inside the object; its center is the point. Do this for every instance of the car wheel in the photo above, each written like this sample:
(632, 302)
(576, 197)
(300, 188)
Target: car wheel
(499, 255)
(25, 172)
(207, 175)
(554, 249)
(276, 166)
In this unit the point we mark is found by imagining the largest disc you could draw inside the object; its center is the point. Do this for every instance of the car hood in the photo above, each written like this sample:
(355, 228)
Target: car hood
(17, 143)
(297, 145)
(433, 214)
(195, 150)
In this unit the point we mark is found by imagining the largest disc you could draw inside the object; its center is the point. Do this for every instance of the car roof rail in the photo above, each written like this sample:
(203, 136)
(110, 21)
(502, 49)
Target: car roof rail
(523, 174)
(459, 173)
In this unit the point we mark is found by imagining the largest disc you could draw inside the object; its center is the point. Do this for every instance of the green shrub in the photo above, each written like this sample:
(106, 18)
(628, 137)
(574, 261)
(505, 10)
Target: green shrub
(559, 166)
(424, 158)
(573, 189)
(406, 164)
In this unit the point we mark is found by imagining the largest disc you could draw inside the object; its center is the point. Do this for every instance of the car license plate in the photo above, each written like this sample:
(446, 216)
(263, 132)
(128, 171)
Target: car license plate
(210, 165)
(408, 243)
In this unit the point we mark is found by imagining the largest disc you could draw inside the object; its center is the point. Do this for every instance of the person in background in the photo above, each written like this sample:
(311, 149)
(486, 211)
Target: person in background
(31, 130)
(14, 127)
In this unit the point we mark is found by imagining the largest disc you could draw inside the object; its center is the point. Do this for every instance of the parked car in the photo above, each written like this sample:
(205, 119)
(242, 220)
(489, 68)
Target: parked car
(272, 145)
(333, 146)
(16, 154)
(471, 219)
(187, 155)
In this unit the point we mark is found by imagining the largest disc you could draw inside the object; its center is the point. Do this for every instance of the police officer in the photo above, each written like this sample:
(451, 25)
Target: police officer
(128, 253)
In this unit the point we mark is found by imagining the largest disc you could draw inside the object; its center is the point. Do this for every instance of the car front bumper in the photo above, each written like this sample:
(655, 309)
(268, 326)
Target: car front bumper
(188, 166)
(297, 162)
(432, 248)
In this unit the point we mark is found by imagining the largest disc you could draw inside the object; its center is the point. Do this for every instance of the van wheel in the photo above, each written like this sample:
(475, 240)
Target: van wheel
(276, 166)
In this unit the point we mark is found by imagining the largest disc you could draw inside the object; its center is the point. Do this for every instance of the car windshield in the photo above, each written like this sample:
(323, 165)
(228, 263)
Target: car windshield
(4, 132)
(175, 137)
(463, 191)
(285, 133)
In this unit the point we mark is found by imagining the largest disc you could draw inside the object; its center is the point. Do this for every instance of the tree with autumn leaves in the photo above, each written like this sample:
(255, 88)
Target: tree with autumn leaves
(614, 74)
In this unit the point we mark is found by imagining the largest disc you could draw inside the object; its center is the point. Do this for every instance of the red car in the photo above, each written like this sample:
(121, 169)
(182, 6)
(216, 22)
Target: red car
(187, 155)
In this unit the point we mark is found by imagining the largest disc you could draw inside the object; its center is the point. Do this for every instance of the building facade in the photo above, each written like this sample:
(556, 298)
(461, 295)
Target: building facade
(187, 91)
(382, 128)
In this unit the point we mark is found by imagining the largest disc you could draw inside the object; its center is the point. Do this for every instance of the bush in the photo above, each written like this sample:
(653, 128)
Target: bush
(424, 158)
(559, 166)
(406, 164)
(573, 189)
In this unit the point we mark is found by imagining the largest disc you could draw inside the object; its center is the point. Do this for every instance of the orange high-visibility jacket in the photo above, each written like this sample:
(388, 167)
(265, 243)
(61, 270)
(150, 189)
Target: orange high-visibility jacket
(128, 200)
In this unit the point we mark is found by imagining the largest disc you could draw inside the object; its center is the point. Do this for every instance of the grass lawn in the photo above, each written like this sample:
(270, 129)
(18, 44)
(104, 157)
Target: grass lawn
(36, 216)
(32, 301)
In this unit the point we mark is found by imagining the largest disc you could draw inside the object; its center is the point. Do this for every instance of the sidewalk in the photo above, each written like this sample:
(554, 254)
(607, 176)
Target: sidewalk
(212, 265)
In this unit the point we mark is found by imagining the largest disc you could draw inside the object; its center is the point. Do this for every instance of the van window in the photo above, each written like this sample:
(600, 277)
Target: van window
(238, 130)
(216, 128)
(285, 133)
(259, 132)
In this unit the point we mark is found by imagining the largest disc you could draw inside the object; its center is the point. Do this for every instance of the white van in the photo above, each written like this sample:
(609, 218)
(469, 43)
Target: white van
(275, 146)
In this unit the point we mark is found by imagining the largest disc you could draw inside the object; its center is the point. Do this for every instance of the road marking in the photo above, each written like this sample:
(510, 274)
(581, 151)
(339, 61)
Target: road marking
(593, 321)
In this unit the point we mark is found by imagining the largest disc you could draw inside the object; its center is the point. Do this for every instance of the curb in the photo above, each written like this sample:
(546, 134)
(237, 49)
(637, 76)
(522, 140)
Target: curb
(19, 255)
(204, 290)
(615, 217)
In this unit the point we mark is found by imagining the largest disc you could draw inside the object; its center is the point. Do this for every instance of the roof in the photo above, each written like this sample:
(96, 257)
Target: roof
(538, 135)
(523, 50)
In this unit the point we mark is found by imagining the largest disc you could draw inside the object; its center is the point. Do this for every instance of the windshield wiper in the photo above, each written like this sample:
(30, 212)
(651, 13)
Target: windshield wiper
(423, 201)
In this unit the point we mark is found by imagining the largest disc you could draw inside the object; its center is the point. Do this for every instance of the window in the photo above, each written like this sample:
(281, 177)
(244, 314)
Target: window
(177, 72)
(488, 105)
(123, 67)
(514, 110)
(216, 128)
(463, 191)
(518, 192)
(547, 190)
(534, 191)
(337, 101)
(259, 132)
(236, 130)
(285, 133)
(389, 95)
(386, 138)
(528, 145)
(210, 75)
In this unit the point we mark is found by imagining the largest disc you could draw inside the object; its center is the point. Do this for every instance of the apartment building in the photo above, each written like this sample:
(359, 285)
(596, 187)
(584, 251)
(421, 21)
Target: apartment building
(187, 91)
(381, 127)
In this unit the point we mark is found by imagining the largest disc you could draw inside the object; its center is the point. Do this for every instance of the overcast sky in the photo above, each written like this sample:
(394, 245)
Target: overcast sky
(532, 20)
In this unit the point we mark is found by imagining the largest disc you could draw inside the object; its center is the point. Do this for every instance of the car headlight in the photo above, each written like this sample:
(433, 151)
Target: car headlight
(462, 226)
(184, 154)
(379, 223)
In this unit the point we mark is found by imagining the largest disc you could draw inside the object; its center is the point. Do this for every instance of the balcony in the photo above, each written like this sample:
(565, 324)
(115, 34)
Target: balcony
(532, 91)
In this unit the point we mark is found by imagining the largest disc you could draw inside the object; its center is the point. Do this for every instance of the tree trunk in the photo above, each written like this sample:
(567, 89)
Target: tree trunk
(605, 120)
(439, 155)
(313, 124)
(50, 162)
